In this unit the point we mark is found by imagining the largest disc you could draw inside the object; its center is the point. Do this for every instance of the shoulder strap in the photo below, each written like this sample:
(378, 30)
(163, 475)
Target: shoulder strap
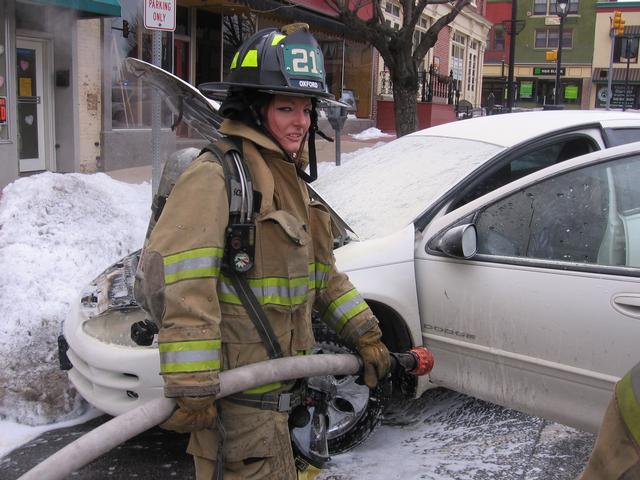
(228, 152)
(240, 193)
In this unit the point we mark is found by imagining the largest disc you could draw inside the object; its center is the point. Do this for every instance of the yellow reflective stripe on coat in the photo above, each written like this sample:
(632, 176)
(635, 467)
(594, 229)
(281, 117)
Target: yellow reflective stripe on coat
(280, 291)
(343, 309)
(189, 357)
(264, 389)
(196, 263)
(628, 397)
(319, 275)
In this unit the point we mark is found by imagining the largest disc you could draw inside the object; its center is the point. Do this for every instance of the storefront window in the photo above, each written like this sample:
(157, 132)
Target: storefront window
(4, 106)
(358, 65)
(208, 51)
(332, 50)
(131, 102)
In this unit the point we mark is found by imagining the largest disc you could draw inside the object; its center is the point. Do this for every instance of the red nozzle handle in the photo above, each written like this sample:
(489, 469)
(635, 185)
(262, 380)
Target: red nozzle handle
(424, 360)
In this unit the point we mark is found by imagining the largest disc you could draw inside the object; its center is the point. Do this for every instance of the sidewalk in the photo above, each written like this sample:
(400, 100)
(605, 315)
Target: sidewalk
(325, 151)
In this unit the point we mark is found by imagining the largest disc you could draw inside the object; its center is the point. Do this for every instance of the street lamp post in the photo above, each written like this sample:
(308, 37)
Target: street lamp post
(562, 8)
(513, 27)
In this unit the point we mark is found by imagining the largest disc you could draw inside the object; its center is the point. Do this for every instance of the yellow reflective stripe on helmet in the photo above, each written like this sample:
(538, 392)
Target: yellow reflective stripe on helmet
(264, 388)
(268, 291)
(628, 397)
(189, 357)
(277, 38)
(343, 309)
(234, 62)
(250, 59)
(196, 263)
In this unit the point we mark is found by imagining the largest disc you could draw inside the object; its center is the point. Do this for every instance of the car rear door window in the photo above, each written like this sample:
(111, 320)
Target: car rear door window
(621, 136)
(524, 162)
(590, 215)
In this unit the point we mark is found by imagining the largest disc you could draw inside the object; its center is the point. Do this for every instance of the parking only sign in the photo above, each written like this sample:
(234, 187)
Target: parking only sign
(160, 15)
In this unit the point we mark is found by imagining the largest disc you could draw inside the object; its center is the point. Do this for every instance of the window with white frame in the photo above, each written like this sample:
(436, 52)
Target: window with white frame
(392, 9)
(548, 7)
(472, 65)
(457, 57)
(417, 36)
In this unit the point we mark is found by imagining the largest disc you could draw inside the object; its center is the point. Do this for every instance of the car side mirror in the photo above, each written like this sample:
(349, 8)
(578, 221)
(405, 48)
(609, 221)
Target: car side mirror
(459, 242)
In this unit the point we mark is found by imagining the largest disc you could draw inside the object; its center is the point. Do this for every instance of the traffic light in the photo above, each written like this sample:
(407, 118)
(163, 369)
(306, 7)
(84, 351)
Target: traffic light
(552, 55)
(125, 29)
(617, 21)
(620, 31)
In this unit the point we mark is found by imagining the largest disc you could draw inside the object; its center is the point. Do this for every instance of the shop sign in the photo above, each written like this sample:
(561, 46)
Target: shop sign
(160, 15)
(618, 97)
(526, 90)
(571, 92)
(547, 70)
(3, 110)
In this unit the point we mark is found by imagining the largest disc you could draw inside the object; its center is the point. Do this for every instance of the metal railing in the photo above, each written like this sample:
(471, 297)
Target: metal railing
(432, 84)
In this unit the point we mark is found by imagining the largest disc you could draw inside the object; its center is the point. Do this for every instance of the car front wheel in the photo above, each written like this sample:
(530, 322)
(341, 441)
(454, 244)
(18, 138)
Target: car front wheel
(353, 410)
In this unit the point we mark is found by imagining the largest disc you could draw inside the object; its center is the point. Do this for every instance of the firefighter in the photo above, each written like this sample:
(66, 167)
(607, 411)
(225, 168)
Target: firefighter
(616, 454)
(276, 80)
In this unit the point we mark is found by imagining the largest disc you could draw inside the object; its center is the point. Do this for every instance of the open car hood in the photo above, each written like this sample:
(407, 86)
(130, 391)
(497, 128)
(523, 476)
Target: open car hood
(344, 233)
(184, 100)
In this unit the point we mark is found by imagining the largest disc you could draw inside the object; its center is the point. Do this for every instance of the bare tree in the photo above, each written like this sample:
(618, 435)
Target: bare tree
(396, 47)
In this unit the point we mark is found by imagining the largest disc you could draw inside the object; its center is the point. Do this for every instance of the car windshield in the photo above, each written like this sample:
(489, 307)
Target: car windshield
(385, 189)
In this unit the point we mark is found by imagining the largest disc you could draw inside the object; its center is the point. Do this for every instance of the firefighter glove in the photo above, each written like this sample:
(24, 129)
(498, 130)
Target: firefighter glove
(192, 414)
(375, 356)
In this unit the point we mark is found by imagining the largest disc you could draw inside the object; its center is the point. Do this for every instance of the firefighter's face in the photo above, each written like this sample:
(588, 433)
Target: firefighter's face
(288, 119)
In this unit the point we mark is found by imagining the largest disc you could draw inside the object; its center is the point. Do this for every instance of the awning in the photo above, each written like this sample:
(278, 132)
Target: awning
(106, 8)
(297, 13)
(600, 75)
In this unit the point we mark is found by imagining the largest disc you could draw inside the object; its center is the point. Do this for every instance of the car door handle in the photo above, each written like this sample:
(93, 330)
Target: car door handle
(627, 303)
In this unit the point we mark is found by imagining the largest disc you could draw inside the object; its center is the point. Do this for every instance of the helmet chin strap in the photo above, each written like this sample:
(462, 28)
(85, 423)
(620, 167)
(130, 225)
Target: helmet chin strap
(313, 162)
(311, 143)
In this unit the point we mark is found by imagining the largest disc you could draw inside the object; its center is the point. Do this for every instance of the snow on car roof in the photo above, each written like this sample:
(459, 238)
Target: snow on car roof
(512, 128)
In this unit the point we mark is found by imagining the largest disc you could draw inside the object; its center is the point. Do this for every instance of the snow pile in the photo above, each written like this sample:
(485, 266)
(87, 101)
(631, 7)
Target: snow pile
(370, 133)
(57, 232)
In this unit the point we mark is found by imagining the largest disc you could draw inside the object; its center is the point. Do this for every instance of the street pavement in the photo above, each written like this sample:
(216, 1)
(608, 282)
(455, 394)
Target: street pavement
(442, 435)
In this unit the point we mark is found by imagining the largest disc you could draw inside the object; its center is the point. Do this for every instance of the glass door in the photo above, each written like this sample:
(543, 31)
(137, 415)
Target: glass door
(31, 112)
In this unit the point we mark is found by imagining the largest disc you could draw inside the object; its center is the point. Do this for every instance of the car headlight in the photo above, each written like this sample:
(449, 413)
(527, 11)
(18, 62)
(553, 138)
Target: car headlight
(114, 326)
(109, 306)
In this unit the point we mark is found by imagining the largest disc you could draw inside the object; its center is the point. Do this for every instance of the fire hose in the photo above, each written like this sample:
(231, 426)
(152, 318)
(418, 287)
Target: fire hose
(107, 436)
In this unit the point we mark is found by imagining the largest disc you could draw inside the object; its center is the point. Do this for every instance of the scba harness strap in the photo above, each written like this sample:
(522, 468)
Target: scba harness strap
(239, 251)
(240, 242)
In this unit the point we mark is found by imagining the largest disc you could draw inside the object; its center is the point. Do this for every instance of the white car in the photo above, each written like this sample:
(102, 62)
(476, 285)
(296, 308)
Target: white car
(517, 264)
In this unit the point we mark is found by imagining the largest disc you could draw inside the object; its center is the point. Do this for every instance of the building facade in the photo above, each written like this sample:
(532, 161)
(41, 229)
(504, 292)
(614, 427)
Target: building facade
(496, 56)
(207, 35)
(538, 26)
(619, 52)
(50, 85)
(459, 51)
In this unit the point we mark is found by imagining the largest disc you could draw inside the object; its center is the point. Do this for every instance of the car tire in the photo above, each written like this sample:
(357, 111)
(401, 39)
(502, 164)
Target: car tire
(356, 410)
